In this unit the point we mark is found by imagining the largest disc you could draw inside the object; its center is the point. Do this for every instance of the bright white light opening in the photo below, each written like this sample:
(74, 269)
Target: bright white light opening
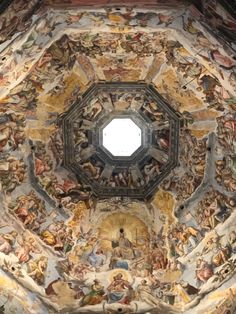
(121, 137)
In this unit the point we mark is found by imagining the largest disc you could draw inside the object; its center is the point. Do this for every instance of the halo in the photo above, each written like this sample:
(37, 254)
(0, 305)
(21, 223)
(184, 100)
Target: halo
(125, 274)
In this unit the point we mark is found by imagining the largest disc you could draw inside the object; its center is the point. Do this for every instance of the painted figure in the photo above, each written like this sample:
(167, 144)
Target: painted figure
(120, 290)
(37, 269)
(203, 271)
(7, 241)
(95, 296)
(123, 248)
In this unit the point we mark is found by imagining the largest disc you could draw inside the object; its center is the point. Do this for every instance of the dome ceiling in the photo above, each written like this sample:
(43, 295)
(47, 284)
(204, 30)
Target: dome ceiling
(84, 228)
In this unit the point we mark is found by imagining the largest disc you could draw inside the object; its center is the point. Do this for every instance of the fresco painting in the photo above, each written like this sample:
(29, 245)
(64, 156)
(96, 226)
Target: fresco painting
(62, 249)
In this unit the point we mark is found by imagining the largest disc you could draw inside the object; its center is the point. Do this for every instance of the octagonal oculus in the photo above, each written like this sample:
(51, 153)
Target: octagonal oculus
(121, 137)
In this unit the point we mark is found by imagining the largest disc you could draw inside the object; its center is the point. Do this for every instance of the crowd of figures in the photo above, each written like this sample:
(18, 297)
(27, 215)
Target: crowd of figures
(11, 130)
(83, 48)
(12, 172)
(64, 189)
(14, 20)
(140, 265)
(213, 209)
(85, 151)
(12, 165)
(226, 152)
(192, 158)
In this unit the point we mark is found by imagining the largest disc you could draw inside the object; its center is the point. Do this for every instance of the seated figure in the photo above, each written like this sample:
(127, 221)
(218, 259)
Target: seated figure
(120, 290)
(123, 248)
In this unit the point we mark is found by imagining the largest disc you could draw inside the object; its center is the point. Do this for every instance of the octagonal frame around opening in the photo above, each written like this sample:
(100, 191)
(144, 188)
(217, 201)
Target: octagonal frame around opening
(103, 192)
